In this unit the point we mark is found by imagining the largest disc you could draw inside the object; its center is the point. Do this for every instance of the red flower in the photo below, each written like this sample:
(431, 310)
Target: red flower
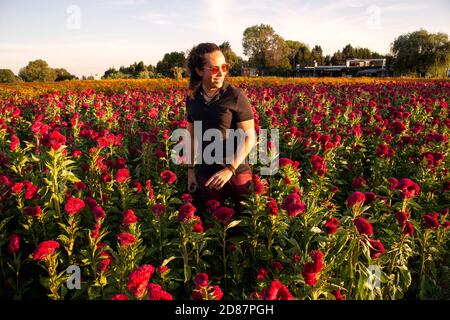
(122, 175)
(158, 209)
(363, 226)
(430, 220)
(358, 182)
(17, 188)
(156, 292)
(186, 197)
(272, 206)
(14, 243)
(223, 215)
(258, 187)
(318, 165)
(370, 197)
(337, 294)
(33, 211)
(128, 217)
(120, 296)
(331, 226)
(186, 212)
(201, 280)
(285, 162)
(356, 199)
(138, 280)
(168, 176)
(45, 249)
(15, 142)
(408, 188)
(376, 248)
(55, 140)
(74, 205)
(212, 204)
(215, 293)
(393, 183)
(98, 213)
(198, 227)
(277, 291)
(312, 269)
(126, 239)
(293, 205)
(408, 229)
(31, 191)
(262, 274)
(384, 151)
(402, 217)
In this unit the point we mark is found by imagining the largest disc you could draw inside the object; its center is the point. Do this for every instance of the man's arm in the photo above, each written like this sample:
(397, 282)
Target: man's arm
(244, 149)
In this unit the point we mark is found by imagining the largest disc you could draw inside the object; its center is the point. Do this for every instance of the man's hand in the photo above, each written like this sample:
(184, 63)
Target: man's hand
(218, 180)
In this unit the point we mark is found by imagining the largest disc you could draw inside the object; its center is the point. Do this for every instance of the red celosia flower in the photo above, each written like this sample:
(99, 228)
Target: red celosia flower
(311, 269)
(122, 175)
(258, 187)
(168, 176)
(430, 220)
(120, 296)
(358, 182)
(33, 211)
(128, 217)
(98, 213)
(408, 229)
(15, 142)
(285, 162)
(74, 205)
(158, 209)
(138, 280)
(45, 249)
(293, 205)
(370, 197)
(14, 243)
(198, 227)
(212, 205)
(17, 188)
(331, 226)
(186, 212)
(393, 183)
(215, 293)
(337, 294)
(363, 226)
(272, 207)
(376, 248)
(277, 291)
(402, 217)
(186, 197)
(156, 292)
(262, 274)
(223, 214)
(126, 239)
(318, 165)
(55, 140)
(201, 280)
(31, 190)
(408, 188)
(356, 199)
(384, 151)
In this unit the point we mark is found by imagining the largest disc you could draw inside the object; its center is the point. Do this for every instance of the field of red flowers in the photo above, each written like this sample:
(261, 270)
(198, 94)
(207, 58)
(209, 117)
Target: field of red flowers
(358, 210)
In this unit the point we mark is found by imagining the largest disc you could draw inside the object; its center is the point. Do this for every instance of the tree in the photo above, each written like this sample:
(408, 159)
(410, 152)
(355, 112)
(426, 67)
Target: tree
(7, 76)
(169, 61)
(421, 53)
(62, 74)
(299, 54)
(234, 61)
(37, 71)
(337, 58)
(267, 51)
(317, 54)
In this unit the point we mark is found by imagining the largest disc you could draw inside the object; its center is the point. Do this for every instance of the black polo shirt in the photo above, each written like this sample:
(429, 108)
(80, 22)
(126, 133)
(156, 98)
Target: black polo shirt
(223, 112)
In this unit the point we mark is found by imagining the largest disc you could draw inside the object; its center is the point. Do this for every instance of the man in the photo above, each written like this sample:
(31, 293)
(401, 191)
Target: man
(216, 104)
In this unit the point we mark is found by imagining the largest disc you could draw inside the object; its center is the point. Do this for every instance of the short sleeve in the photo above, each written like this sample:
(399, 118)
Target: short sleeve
(244, 110)
(188, 111)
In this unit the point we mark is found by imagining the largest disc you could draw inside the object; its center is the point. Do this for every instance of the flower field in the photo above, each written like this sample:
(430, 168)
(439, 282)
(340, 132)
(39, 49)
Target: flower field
(358, 209)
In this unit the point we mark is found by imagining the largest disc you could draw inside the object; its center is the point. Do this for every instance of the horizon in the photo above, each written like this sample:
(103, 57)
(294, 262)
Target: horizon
(75, 35)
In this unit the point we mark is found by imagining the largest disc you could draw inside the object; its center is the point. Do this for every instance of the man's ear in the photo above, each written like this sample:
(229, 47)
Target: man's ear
(199, 72)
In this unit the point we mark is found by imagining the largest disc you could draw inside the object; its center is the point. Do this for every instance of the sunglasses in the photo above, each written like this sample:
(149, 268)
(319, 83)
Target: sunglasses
(215, 69)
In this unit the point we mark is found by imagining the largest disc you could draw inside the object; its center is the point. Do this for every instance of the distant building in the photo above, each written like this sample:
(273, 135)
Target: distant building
(352, 68)
(249, 72)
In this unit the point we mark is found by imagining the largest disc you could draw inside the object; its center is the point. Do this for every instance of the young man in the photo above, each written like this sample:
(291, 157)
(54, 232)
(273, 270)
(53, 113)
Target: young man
(216, 104)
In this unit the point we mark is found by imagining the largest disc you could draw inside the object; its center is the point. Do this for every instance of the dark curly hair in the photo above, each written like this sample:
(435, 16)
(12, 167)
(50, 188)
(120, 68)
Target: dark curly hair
(196, 59)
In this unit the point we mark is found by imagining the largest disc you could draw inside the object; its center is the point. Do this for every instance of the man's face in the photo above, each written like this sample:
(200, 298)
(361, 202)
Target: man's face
(214, 71)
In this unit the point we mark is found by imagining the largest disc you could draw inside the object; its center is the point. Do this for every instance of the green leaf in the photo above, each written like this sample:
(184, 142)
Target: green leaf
(233, 224)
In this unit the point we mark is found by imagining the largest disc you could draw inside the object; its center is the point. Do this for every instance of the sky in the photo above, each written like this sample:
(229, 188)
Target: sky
(88, 37)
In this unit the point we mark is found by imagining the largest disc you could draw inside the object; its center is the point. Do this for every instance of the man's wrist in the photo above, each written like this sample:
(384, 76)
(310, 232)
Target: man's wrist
(231, 168)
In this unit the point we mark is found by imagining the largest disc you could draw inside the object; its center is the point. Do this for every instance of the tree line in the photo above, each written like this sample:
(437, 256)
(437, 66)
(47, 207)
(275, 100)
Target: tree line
(418, 53)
